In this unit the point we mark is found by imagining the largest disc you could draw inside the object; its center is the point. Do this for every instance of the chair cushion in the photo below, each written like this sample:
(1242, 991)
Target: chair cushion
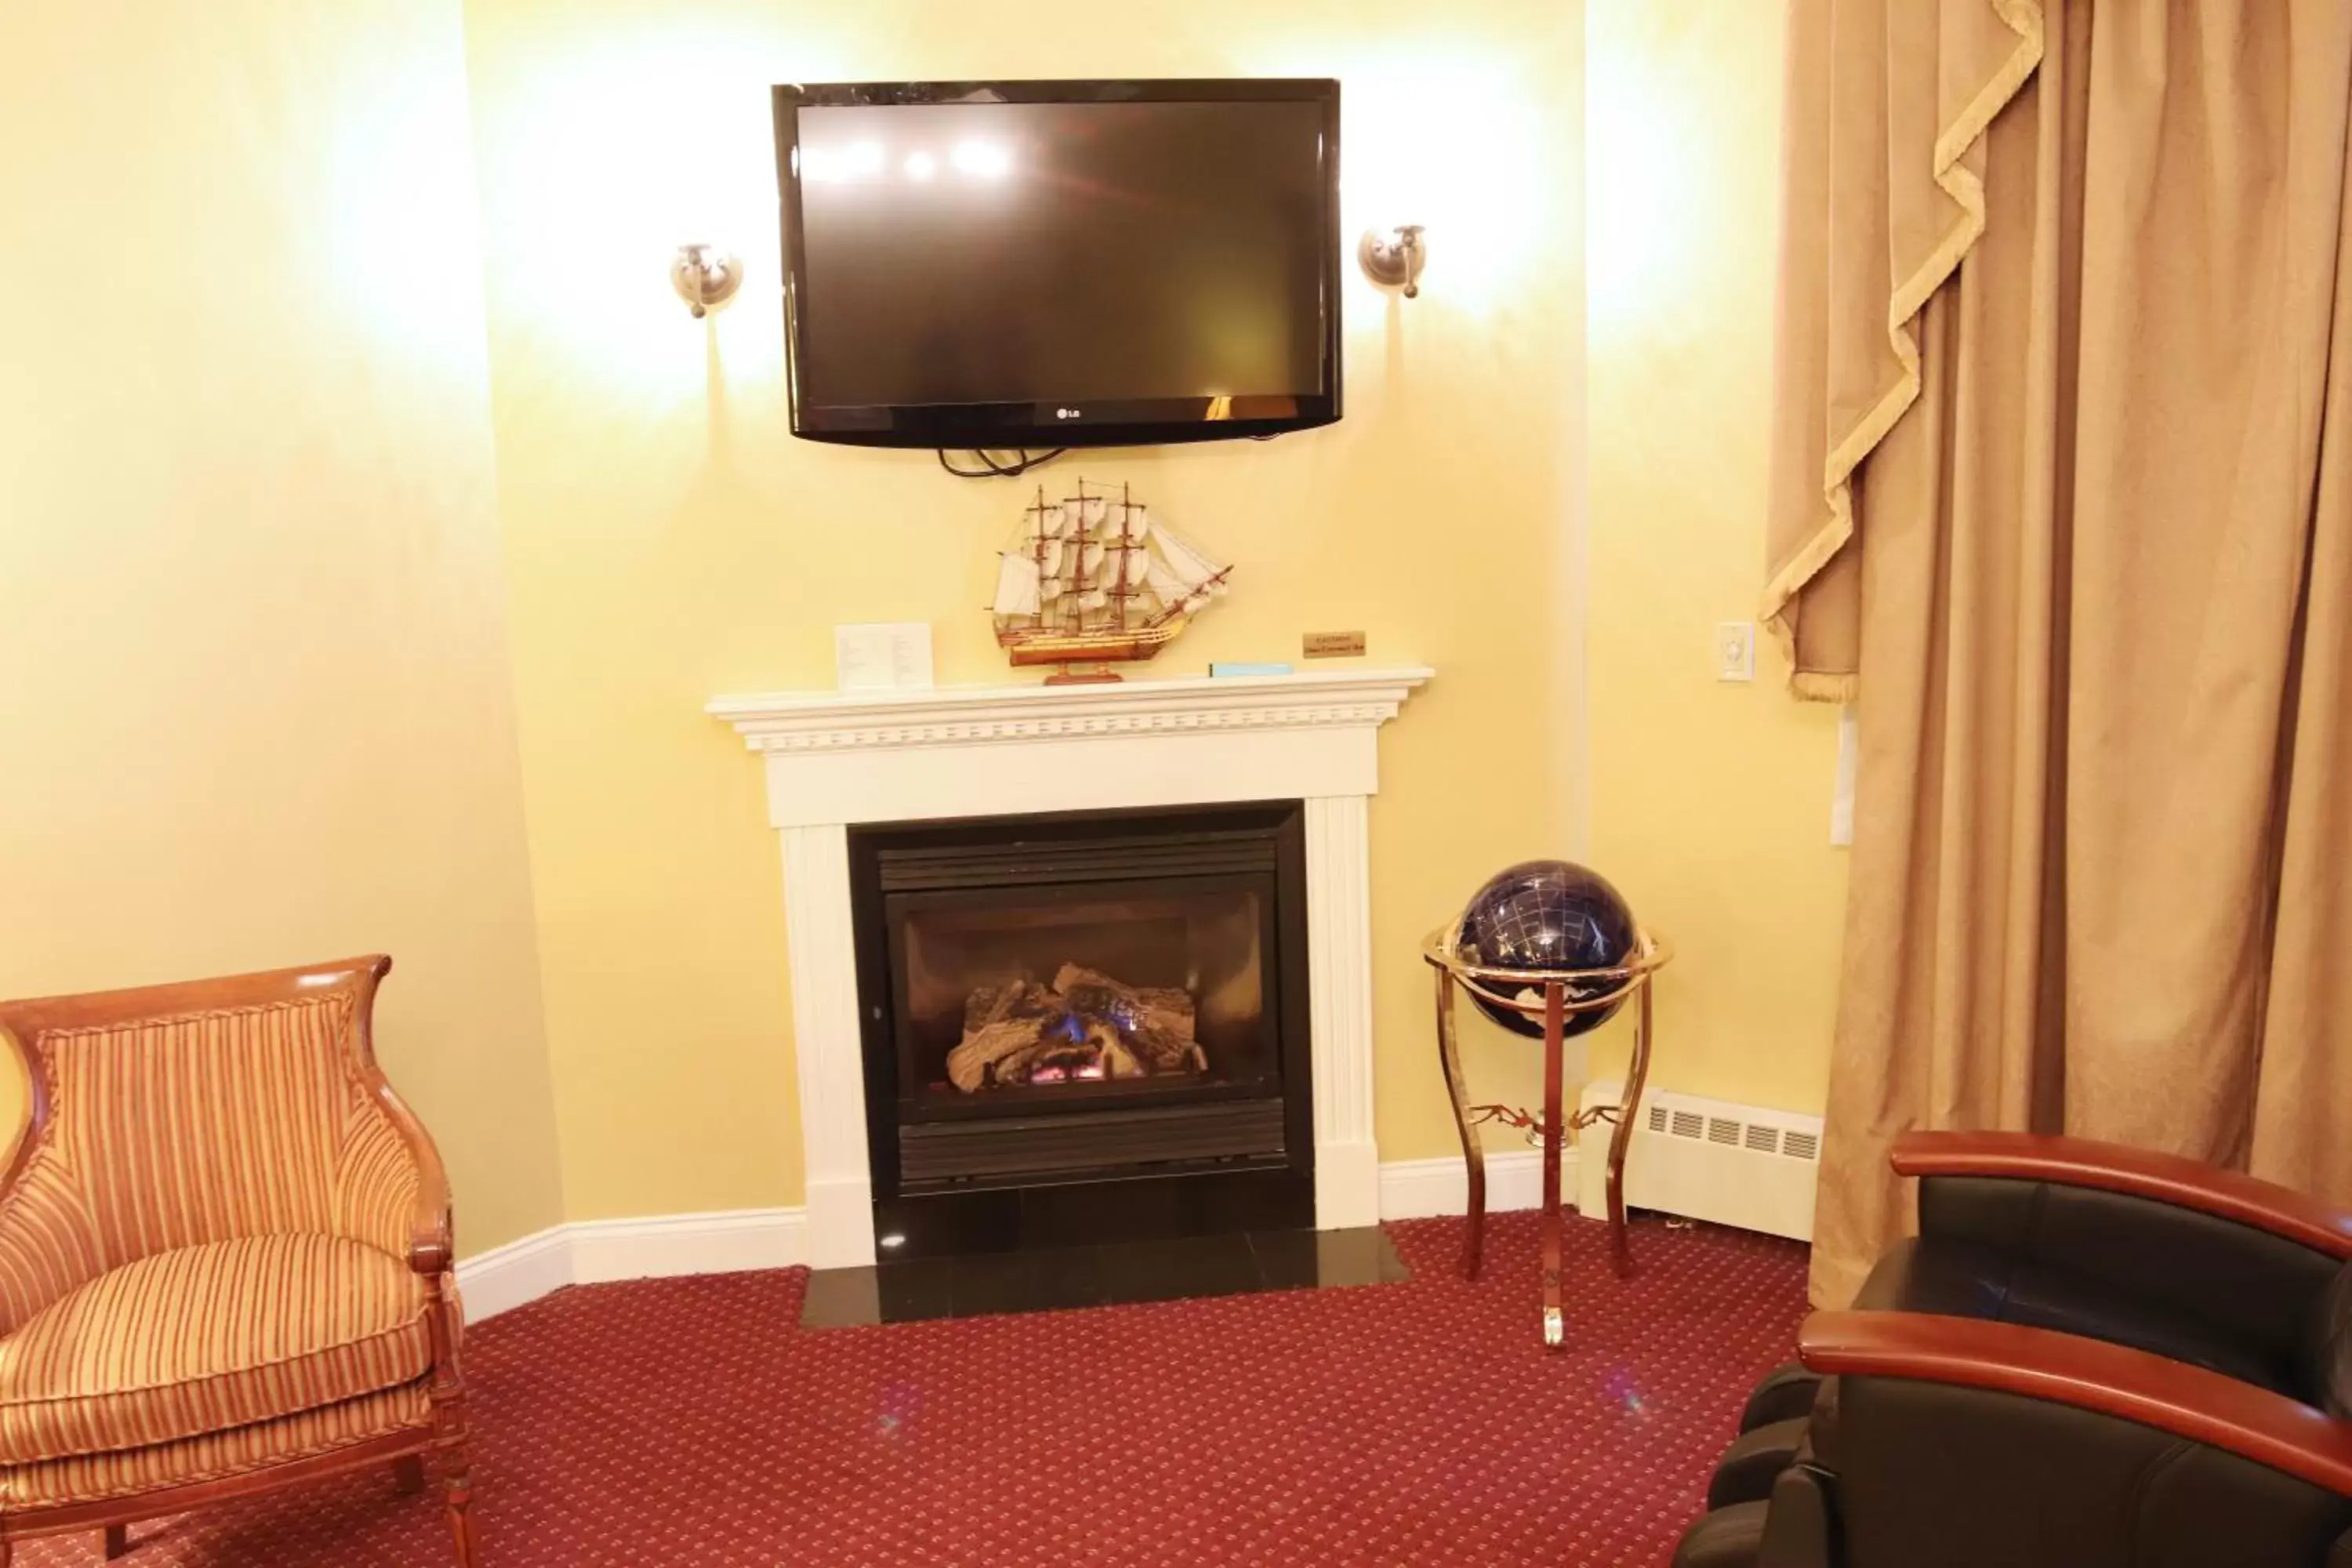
(207, 1338)
(219, 1456)
(1755, 1461)
(1968, 1280)
(1726, 1538)
(1784, 1394)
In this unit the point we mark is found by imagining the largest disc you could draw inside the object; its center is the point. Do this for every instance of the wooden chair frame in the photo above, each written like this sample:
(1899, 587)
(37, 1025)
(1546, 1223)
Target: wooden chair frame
(431, 1251)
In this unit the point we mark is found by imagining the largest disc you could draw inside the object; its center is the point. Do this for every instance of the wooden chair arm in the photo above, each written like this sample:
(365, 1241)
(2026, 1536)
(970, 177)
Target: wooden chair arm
(432, 1238)
(2136, 1173)
(432, 1241)
(2088, 1374)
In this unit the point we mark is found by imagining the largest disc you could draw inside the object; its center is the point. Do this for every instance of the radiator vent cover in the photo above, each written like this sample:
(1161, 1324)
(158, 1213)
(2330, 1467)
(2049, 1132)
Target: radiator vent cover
(1708, 1159)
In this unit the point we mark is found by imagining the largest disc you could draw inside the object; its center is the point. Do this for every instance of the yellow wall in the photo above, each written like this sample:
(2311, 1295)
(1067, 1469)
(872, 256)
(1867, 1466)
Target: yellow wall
(1710, 801)
(255, 697)
(667, 539)
(257, 671)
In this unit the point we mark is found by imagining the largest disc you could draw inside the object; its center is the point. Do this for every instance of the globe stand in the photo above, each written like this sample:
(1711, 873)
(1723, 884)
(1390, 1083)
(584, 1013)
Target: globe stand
(1564, 991)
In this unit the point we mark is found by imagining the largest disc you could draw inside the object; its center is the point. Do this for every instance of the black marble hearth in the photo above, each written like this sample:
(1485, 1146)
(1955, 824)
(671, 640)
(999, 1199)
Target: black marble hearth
(1047, 1278)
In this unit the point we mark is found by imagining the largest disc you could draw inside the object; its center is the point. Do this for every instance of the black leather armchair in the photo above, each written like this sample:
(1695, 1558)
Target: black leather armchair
(2090, 1357)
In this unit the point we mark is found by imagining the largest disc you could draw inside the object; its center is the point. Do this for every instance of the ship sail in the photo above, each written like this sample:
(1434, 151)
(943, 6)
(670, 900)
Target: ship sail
(1173, 591)
(1199, 576)
(1091, 579)
(1016, 586)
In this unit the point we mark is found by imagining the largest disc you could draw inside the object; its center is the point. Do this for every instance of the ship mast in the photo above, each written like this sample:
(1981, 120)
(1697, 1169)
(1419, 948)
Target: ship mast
(1037, 615)
(1126, 541)
(1078, 577)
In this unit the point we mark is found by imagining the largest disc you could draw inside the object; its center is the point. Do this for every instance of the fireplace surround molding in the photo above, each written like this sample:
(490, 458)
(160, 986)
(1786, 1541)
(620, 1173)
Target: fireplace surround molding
(834, 761)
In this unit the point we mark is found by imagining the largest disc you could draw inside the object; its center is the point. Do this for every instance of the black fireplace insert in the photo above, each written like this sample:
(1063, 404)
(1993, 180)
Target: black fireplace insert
(1085, 1026)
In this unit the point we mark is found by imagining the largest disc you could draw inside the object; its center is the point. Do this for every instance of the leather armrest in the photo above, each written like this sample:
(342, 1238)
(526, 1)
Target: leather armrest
(2088, 1374)
(2136, 1173)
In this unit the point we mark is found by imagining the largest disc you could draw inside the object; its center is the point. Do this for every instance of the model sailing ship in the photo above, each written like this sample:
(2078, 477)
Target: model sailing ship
(1093, 580)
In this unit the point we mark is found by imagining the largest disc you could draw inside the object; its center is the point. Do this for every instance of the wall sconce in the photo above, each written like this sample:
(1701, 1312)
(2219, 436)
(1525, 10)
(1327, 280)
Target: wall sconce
(705, 278)
(1393, 257)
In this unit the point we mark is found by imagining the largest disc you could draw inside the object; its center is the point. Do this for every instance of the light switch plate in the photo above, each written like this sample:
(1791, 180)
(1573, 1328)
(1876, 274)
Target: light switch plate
(1735, 650)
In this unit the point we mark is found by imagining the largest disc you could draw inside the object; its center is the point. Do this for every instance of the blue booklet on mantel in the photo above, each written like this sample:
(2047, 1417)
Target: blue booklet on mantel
(1228, 666)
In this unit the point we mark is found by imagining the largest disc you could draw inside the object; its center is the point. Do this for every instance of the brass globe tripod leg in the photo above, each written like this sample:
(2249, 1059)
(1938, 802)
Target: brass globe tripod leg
(1474, 1157)
(1622, 1137)
(1555, 1326)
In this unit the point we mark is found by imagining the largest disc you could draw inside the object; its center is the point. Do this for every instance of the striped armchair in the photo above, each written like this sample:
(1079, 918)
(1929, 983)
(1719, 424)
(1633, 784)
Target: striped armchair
(225, 1255)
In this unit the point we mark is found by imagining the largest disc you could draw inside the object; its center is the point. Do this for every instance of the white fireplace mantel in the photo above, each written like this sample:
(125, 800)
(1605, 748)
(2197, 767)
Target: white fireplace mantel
(834, 760)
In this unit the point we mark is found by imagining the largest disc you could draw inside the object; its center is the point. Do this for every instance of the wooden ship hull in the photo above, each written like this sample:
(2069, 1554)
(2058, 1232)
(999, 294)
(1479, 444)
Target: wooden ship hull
(1032, 645)
(1074, 590)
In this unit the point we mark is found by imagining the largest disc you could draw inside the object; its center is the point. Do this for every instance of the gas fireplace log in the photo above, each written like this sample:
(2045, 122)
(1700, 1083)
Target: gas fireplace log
(1156, 1020)
(1016, 998)
(1085, 1025)
(969, 1063)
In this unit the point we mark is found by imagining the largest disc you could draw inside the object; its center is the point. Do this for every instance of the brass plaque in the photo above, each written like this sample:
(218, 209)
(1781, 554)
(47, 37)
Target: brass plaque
(1333, 645)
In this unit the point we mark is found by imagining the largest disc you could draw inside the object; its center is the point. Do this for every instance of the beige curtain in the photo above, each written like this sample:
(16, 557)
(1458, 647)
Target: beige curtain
(2063, 499)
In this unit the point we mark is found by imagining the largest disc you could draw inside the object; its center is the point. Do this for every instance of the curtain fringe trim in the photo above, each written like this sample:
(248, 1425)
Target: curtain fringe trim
(2023, 18)
(1824, 686)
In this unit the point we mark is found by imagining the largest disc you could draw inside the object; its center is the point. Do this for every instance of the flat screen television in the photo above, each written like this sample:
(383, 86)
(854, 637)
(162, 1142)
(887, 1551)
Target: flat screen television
(1038, 263)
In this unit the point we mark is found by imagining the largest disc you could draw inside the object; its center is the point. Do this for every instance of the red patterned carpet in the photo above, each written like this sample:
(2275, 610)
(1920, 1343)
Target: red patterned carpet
(692, 1422)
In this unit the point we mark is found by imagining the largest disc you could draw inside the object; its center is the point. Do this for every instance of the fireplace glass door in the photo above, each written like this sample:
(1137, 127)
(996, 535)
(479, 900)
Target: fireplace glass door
(1107, 992)
(1062, 1001)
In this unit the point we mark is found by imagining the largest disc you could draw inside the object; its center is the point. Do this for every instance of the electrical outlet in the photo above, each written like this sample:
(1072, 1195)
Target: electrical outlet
(1735, 650)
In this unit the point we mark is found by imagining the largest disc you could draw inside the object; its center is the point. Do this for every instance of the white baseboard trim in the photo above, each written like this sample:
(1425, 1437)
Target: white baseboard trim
(599, 1251)
(731, 1242)
(515, 1275)
(1417, 1189)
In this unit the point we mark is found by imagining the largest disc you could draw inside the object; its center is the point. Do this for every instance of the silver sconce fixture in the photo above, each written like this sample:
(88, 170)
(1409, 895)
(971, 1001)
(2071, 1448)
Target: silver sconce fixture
(1393, 257)
(705, 278)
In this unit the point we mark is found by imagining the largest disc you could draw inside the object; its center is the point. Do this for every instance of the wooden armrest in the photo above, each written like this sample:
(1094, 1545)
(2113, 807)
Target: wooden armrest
(2137, 1172)
(432, 1242)
(431, 1239)
(2088, 1374)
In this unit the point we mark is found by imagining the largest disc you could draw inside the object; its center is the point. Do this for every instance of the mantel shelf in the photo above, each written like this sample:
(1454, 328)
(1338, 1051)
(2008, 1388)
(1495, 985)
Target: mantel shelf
(1352, 698)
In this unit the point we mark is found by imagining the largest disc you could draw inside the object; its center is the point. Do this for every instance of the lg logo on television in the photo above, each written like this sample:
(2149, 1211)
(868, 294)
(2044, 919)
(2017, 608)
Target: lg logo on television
(1068, 413)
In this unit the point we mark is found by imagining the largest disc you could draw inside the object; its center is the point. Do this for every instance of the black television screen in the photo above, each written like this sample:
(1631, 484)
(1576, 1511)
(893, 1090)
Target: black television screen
(1047, 264)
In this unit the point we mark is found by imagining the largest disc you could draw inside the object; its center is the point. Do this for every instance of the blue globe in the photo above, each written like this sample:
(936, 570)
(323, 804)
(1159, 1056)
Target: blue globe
(1546, 915)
